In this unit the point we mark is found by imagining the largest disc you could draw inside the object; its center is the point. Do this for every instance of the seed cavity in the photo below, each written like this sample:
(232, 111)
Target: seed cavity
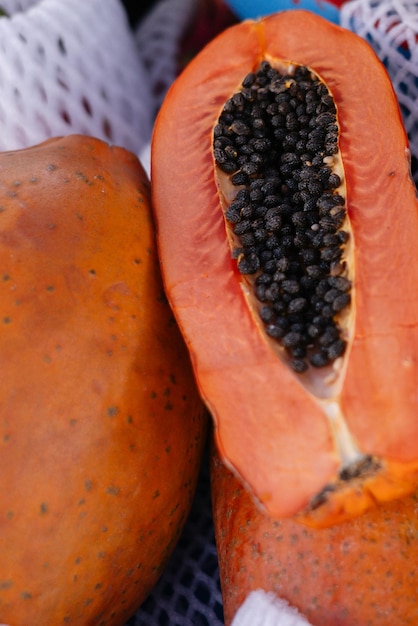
(276, 149)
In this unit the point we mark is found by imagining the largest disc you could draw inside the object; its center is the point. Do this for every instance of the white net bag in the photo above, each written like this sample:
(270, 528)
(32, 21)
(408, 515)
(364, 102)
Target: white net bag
(391, 27)
(158, 38)
(71, 67)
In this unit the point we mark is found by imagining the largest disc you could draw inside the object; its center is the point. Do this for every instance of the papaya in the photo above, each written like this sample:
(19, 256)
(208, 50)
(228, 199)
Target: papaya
(102, 427)
(287, 228)
(362, 571)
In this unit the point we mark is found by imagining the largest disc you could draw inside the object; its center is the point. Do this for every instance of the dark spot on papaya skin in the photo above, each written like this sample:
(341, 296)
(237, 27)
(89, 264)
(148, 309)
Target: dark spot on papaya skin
(84, 178)
(6, 584)
(44, 508)
(112, 411)
(88, 485)
(26, 595)
(112, 490)
(7, 320)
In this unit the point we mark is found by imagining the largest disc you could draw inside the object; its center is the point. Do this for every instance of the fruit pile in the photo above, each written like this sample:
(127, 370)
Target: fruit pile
(254, 298)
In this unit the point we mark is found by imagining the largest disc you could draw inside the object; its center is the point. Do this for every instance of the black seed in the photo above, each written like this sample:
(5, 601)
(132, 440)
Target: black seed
(336, 349)
(319, 359)
(249, 168)
(291, 339)
(240, 178)
(341, 302)
(297, 305)
(313, 331)
(273, 292)
(339, 282)
(248, 265)
(274, 331)
(314, 271)
(256, 195)
(334, 181)
(246, 212)
(260, 292)
(331, 253)
(242, 227)
(290, 286)
(248, 239)
(240, 128)
(298, 365)
(266, 314)
(233, 214)
(329, 335)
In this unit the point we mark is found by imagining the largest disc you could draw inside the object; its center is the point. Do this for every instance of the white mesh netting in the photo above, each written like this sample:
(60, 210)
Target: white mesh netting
(158, 36)
(391, 27)
(69, 67)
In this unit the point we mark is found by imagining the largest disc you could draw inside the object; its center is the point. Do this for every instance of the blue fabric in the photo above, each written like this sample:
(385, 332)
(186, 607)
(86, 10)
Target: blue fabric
(245, 9)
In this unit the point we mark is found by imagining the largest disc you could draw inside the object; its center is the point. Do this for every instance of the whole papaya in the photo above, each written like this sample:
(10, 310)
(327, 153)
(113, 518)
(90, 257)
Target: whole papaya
(101, 426)
(362, 571)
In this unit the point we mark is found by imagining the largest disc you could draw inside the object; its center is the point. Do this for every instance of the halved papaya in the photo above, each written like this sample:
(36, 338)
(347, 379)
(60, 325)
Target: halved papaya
(287, 225)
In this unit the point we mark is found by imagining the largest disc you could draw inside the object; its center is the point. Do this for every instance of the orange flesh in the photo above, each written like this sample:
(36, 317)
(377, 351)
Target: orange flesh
(262, 412)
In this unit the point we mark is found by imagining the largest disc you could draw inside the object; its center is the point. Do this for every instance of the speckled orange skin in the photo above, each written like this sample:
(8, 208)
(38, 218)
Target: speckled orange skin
(101, 428)
(362, 572)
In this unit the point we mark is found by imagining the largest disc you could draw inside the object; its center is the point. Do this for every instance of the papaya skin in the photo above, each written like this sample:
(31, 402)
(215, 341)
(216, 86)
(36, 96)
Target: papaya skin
(362, 571)
(102, 428)
(271, 430)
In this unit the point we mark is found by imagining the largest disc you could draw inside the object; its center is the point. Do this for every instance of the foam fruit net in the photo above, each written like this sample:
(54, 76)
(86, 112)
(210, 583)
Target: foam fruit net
(391, 27)
(77, 66)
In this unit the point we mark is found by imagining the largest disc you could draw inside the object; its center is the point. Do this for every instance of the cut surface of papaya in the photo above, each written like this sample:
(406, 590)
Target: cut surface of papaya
(287, 226)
